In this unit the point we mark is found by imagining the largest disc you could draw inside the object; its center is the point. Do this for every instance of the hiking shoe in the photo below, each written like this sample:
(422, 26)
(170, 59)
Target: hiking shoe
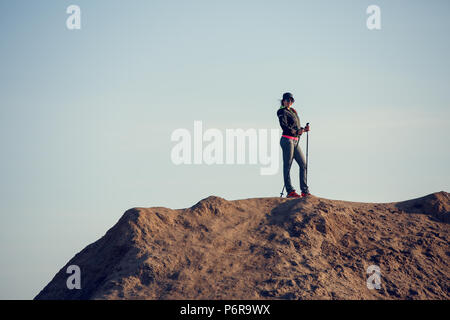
(293, 194)
(305, 194)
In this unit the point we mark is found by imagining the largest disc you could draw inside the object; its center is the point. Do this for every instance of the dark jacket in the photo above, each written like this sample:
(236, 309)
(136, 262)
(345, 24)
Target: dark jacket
(289, 121)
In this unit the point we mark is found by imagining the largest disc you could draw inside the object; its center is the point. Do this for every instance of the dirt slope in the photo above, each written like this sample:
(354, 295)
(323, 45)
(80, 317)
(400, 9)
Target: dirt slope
(268, 248)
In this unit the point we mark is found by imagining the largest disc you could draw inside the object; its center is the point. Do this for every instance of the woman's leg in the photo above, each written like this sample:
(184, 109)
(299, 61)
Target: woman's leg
(300, 158)
(288, 152)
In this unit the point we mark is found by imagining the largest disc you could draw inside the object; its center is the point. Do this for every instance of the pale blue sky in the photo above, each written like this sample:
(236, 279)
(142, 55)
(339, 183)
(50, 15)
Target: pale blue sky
(86, 115)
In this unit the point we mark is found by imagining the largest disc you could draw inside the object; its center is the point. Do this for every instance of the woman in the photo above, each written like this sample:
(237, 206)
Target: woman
(290, 124)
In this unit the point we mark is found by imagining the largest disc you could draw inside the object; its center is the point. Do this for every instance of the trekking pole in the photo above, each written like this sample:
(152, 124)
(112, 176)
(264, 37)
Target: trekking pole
(307, 140)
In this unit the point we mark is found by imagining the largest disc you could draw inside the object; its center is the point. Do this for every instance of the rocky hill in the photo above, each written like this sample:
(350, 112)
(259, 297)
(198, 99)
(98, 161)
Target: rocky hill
(268, 248)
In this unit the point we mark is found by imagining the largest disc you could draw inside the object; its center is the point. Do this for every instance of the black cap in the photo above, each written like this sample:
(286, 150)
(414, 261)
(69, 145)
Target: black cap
(288, 97)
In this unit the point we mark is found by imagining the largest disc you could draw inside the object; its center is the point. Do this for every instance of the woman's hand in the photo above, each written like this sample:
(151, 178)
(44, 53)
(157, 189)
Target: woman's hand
(306, 129)
(300, 131)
